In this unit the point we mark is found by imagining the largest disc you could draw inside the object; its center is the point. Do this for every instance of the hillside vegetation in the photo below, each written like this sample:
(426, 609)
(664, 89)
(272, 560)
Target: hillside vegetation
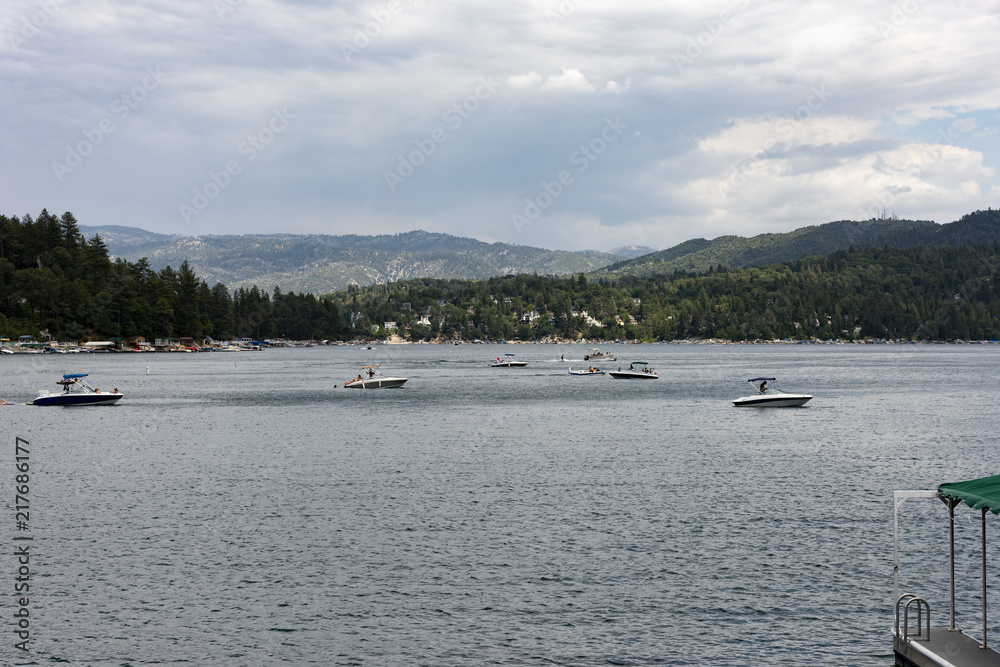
(949, 292)
(319, 264)
(733, 252)
(931, 283)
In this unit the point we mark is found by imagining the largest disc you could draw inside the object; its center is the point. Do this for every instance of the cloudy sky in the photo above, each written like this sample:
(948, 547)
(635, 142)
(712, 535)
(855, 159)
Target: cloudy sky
(567, 124)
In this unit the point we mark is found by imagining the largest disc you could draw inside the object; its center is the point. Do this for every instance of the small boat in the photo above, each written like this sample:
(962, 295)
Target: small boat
(590, 371)
(508, 362)
(597, 355)
(635, 373)
(76, 391)
(770, 396)
(372, 379)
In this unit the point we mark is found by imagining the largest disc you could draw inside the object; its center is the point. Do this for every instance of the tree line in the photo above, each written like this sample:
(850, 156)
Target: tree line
(54, 280)
(884, 293)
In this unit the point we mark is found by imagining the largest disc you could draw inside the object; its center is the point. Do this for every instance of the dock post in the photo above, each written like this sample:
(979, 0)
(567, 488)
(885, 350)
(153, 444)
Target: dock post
(952, 503)
(985, 644)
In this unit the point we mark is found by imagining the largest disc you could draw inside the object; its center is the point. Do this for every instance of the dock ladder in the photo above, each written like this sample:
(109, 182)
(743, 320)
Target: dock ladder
(922, 630)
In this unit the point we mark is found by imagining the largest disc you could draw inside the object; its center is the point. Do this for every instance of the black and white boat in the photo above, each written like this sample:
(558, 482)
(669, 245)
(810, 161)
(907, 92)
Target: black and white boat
(508, 362)
(770, 396)
(637, 370)
(370, 378)
(75, 391)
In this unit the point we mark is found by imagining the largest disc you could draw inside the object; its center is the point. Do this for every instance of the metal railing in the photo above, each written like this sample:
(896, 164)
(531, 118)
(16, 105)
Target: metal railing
(901, 640)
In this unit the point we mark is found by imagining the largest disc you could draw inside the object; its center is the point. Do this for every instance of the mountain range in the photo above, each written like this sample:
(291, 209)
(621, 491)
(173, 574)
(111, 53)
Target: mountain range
(320, 264)
(733, 252)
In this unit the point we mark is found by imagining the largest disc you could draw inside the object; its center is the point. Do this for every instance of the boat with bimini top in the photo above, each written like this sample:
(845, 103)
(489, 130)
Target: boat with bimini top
(76, 391)
(770, 396)
(597, 355)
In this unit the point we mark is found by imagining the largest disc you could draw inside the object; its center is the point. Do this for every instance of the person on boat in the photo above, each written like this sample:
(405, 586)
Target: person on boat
(763, 387)
(3, 401)
(371, 373)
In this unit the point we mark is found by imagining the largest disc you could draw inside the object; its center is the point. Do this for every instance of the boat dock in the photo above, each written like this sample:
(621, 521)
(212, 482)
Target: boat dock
(914, 642)
(945, 648)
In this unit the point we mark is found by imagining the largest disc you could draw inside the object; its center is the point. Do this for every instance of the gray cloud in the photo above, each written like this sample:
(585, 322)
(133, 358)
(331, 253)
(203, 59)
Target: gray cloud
(703, 88)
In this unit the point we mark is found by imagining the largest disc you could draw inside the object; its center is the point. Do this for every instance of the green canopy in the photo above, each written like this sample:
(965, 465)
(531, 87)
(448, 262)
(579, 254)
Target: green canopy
(976, 493)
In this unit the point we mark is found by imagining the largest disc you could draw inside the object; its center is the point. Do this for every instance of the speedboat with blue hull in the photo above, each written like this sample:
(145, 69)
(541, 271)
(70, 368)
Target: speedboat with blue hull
(770, 396)
(76, 391)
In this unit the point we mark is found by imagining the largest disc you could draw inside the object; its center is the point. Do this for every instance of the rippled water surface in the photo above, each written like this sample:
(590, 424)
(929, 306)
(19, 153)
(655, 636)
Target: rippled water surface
(237, 509)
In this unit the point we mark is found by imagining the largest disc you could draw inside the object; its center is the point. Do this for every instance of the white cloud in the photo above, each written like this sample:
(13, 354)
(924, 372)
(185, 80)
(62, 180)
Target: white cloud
(570, 79)
(530, 80)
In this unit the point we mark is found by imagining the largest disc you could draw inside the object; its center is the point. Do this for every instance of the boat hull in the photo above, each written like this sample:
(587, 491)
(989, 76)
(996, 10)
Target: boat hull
(633, 375)
(587, 373)
(509, 364)
(375, 383)
(773, 401)
(69, 400)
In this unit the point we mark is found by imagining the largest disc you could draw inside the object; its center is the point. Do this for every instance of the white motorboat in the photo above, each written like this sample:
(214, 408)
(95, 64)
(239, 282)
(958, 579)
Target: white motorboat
(597, 355)
(589, 371)
(508, 362)
(770, 396)
(370, 378)
(75, 391)
(633, 372)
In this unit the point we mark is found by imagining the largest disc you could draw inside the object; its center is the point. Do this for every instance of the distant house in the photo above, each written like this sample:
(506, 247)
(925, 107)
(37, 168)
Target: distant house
(425, 321)
(637, 302)
(405, 306)
(390, 326)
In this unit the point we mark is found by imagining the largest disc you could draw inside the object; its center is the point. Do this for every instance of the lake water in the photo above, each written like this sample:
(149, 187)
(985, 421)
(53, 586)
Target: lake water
(237, 509)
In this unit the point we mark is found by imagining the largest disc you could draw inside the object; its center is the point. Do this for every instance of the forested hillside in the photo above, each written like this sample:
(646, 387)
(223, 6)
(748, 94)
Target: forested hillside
(912, 293)
(54, 280)
(733, 252)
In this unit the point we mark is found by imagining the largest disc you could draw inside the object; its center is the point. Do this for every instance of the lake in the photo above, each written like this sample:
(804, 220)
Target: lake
(238, 509)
